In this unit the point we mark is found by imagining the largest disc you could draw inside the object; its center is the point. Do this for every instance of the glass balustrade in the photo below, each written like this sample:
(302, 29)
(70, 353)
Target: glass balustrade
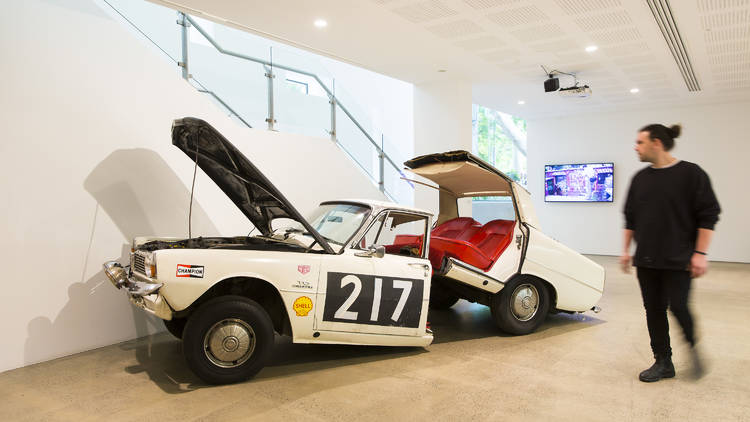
(265, 84)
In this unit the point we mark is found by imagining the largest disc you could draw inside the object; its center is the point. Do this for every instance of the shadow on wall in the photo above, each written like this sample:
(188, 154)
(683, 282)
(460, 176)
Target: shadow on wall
(142, 196)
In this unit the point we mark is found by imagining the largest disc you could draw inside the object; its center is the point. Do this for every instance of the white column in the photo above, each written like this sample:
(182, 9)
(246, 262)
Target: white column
(442, 122)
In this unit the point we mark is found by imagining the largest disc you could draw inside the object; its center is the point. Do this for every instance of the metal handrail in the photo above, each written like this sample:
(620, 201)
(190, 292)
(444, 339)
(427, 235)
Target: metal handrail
(216, 97)
(312, 75)
(186, 21)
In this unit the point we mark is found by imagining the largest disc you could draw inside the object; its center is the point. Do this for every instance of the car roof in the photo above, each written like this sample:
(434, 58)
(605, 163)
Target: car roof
(380, 205)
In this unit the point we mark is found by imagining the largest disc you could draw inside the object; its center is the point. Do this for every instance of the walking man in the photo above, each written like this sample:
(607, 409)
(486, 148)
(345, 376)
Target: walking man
(671, 212)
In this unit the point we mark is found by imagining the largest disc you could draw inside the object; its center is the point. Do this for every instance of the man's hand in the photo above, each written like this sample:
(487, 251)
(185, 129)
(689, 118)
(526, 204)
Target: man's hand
(625, 263)
(698, 265)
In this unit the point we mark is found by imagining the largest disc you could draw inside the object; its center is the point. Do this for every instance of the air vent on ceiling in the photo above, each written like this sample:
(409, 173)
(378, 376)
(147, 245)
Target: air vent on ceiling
(663, 15)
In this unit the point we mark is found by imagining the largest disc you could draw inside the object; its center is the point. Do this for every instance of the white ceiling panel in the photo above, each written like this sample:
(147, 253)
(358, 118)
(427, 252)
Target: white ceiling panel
(481, 43)
(455, 29)
(500, 45)
(604, 21)
(580, 7)
(488, 4)
(425, 11)
(517, 17)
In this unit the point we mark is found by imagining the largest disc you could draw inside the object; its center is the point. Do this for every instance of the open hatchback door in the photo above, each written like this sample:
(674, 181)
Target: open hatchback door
(507, 264)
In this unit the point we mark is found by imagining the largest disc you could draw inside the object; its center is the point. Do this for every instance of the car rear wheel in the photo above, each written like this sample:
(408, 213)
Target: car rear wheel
(521, 306)
(228, 340)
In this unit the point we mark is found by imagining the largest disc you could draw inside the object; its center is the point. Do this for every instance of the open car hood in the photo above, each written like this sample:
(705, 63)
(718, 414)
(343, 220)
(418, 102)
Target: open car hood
(240, 180)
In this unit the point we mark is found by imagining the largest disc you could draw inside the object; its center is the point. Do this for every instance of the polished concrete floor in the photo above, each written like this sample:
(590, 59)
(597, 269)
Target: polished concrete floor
(576, 367)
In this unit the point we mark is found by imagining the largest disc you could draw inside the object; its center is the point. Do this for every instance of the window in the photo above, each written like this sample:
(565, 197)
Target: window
(400, 233)
(500, 139)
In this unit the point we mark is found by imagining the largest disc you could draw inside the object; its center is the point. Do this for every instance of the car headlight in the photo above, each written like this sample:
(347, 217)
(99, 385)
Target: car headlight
(150, 265)
(116, 273)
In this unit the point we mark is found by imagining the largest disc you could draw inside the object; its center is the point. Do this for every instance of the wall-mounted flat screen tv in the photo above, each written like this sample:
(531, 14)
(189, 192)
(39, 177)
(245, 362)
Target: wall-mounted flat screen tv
(590, 182)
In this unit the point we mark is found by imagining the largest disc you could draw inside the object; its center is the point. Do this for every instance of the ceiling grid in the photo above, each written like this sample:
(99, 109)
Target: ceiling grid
(726, 33)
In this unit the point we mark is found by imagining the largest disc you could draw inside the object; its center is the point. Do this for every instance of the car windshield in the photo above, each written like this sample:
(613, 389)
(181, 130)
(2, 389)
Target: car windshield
(337, 223)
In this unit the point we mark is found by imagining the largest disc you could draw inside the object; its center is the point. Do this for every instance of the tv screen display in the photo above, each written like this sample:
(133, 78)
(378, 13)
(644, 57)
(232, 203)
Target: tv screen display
(591, 182)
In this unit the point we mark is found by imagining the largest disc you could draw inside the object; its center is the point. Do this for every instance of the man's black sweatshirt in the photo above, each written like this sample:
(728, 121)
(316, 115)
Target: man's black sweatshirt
(665, 208)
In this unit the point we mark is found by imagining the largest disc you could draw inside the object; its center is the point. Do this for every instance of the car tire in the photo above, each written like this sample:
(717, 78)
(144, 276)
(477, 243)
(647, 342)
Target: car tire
(227, 340)
(521, 306)
(176, 326)
(441, 299)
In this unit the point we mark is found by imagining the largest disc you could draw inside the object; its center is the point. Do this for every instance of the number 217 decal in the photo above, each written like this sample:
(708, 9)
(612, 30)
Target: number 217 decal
(374, 300)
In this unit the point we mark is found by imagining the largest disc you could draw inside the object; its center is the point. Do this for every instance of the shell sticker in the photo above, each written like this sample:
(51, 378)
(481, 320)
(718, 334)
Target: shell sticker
(302, 306)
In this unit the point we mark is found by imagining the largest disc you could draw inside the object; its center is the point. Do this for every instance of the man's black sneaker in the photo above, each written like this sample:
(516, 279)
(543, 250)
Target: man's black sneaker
(662, 368)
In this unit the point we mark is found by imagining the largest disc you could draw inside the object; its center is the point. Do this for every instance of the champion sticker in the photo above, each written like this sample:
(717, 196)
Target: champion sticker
(190, 271)
(303, 269)
(302, 306)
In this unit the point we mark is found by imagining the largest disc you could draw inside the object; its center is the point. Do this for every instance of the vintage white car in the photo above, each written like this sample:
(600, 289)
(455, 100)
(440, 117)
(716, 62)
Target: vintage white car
(353, 272)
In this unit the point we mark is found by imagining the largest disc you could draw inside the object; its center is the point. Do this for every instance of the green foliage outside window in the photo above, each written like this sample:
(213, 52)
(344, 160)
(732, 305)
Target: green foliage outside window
(498, 147)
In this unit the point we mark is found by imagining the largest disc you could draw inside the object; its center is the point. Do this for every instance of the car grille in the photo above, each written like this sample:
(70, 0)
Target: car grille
(139, 263)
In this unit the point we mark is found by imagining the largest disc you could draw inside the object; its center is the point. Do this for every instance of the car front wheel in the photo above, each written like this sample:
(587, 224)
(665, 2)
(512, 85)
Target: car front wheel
(175, 326)
(227, 340)
(521, 306)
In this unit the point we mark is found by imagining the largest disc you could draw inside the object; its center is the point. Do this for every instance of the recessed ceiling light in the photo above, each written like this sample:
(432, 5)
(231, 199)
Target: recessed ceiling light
(591, 48)
(320, 23)
(634, 90)
(521, 102)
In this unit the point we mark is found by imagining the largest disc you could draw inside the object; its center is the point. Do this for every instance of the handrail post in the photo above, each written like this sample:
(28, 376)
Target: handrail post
(184, 63)
(381, 158)
(270, 76)
(332, 101)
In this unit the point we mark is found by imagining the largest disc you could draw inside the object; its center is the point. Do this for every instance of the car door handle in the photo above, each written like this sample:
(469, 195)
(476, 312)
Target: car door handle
(425, 267)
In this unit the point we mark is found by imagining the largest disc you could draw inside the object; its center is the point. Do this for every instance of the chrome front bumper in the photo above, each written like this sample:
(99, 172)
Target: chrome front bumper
(142, 294)
(120, 277)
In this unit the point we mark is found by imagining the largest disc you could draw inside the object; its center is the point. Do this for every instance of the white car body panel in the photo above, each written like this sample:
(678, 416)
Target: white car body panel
(578, 281)
(525, 206)
(278, 268)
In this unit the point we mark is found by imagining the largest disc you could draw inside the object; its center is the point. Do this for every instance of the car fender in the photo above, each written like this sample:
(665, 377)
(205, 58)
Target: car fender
(291, 274)
(578, 281)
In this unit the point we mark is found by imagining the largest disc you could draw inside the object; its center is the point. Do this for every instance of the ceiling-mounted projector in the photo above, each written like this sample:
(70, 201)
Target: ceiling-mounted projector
(583, 91)
(551, 84)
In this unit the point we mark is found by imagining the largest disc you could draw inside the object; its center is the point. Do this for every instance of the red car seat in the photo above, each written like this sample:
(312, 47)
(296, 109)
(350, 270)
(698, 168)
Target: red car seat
(475, 245)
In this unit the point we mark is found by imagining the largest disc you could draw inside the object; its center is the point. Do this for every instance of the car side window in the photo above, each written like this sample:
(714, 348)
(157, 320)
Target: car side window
(370, 238)
(403, 234)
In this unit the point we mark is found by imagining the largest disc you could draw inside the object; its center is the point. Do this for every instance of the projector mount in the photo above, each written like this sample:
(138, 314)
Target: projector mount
(553, 84)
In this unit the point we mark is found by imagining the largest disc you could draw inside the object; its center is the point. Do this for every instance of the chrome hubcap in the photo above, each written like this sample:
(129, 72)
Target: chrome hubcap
(524, 302)
(229, 343)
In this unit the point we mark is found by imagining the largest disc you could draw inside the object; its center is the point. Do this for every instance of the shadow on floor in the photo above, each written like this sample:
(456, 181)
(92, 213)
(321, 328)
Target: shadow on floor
(160, 355)
(470, 321)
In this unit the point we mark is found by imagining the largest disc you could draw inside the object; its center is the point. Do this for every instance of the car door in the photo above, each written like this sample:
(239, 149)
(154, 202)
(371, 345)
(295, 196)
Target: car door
(365, 292)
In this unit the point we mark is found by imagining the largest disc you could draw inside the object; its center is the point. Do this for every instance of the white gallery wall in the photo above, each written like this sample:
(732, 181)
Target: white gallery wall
(714, 136)
(442, 122)
(87, 163)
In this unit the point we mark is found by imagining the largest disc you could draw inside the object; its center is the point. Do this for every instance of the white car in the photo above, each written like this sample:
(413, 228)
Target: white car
(353, 272)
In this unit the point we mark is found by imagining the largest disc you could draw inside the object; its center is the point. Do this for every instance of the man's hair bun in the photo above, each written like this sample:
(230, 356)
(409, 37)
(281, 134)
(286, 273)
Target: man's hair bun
(675, 131)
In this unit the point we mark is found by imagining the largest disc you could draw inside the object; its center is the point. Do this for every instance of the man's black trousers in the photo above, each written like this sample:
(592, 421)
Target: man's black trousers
(661, 289)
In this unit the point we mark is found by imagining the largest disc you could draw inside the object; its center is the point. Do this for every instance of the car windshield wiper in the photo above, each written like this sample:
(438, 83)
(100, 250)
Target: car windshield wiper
(290, 230)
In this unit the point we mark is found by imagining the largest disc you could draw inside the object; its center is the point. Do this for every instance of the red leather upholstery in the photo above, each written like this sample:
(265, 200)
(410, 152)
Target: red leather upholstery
(403, 240)
(469, 243)
(455, 229)
(494, 237)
